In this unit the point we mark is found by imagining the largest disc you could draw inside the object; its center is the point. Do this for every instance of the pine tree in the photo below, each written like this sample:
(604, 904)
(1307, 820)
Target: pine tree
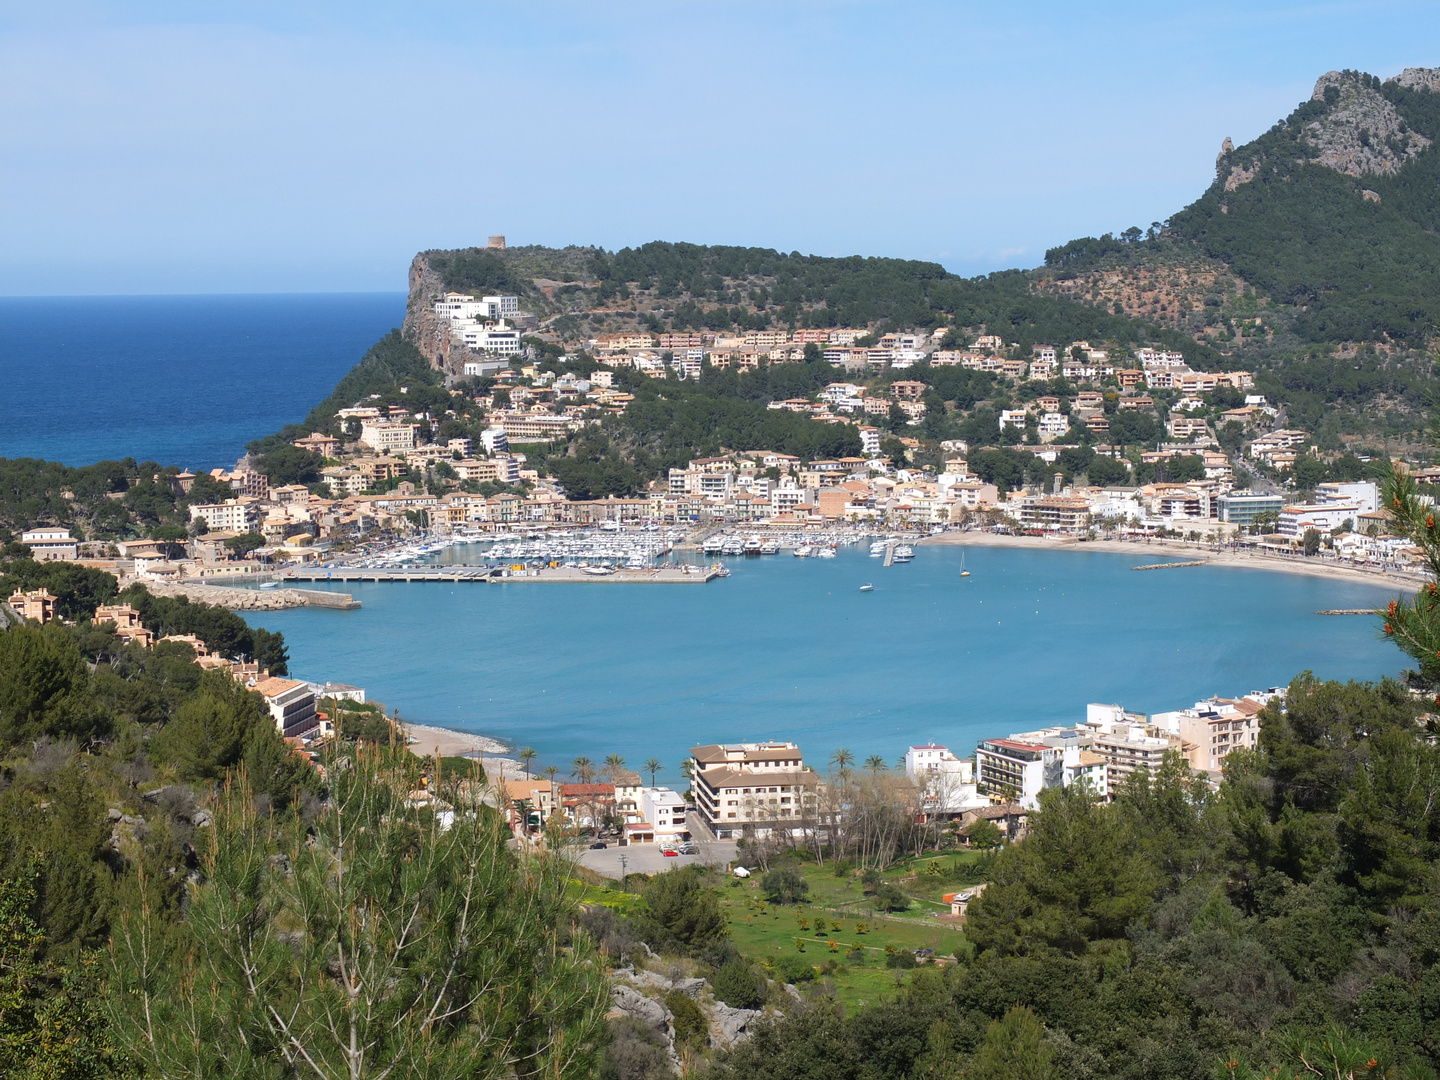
(393, 935)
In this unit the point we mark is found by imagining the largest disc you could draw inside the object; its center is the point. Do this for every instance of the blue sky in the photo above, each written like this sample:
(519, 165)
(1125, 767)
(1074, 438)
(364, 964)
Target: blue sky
(307, 146)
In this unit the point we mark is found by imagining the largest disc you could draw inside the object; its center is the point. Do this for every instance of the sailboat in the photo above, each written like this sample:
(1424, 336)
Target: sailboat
(963, 571)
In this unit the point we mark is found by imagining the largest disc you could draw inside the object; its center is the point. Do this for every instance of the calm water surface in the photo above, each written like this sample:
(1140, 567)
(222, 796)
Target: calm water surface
(182, 380)
(790, 648)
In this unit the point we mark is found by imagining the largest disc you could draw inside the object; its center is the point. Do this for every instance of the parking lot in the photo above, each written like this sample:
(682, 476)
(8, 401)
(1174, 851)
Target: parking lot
(646, 858)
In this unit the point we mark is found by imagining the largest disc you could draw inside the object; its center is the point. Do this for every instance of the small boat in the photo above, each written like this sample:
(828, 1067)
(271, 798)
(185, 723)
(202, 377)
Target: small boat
(825, 553)
(268, 584)
(963, 571)
(904, 553)
(596, 571)
(769, 547)
(803, 551)
(867, 587)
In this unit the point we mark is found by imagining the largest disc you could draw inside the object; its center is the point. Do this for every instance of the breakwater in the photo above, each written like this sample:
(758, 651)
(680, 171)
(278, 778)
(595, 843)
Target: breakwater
(254, 599)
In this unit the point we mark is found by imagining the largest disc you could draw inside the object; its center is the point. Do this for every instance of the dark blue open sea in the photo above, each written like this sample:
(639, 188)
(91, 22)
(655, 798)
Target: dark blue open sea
(181, 380)
(786, 647)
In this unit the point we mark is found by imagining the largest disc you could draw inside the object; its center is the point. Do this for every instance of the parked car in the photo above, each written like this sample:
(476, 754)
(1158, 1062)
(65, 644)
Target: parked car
(688, 849)
(598, 845)
(669, 852)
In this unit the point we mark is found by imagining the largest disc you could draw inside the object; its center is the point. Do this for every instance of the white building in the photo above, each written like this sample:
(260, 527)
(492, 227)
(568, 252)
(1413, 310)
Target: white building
(495, 440)
(1053, 425)
(1021, 767)
(483, 368)
(291, 704)
(51, 544)
(664, 810)
(501, 339)
(1296, 520)
(1012, 417)
(384, 436)
(1365, 494)
(870, 441)
(233, 515)
(948, 781)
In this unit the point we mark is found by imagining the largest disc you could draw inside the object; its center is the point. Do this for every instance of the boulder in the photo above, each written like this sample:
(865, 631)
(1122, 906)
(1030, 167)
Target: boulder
(627, 1001)
(729, 1026)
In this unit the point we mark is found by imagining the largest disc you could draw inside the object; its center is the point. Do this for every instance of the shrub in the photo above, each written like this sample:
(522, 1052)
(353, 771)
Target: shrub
(793, 969)
(888, 897)
(903, 959)
(737, 985)
(784, 885)
(690, 1023)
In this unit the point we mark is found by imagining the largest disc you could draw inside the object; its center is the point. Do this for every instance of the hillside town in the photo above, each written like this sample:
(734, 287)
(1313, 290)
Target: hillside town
(389, 469)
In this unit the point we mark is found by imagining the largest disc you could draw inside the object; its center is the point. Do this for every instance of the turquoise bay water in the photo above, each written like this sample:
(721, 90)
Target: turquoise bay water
(790, 648)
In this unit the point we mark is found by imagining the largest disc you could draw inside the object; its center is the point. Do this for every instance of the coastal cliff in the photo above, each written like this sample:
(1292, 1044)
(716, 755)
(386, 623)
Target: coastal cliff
(430, 332)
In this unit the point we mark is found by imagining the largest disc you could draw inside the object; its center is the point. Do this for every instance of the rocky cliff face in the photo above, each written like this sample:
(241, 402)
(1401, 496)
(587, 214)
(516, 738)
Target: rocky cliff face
(1362, 134)
(430, 332)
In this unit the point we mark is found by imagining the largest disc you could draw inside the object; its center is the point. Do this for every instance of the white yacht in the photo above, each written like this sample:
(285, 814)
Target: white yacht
(904, 553)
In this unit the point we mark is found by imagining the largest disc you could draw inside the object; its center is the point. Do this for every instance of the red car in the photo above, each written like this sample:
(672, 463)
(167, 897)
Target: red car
(670, 853)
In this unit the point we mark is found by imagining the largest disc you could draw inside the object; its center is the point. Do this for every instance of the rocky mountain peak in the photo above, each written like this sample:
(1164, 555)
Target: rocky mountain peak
(1420, 78)
(1362, 134)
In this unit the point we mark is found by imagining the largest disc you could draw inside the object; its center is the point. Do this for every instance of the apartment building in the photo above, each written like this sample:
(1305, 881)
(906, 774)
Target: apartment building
(1019, 768)
(751, 787)
(1214, 727)
(387, 437)
(38, 605)
(233, 515)
(291, 704)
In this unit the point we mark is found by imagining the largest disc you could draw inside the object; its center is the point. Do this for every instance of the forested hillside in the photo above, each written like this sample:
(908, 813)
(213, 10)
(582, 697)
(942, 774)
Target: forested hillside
(1331, 215)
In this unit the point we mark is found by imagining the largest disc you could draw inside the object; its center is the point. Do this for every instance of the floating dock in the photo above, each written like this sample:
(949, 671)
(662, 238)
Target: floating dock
(487, 575)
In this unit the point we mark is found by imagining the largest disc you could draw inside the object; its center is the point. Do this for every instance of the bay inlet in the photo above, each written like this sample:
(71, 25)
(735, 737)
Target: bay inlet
(791, 648)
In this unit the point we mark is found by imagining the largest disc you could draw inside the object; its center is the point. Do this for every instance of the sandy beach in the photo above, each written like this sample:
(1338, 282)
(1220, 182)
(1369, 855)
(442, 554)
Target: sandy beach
(492, 754)
(1150, 551)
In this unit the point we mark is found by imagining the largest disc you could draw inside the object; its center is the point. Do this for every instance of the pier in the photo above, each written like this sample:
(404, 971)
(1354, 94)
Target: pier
(500, 575)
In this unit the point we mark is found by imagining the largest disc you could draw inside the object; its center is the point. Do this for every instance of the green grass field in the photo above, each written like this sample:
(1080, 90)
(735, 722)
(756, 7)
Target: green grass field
(763, 931)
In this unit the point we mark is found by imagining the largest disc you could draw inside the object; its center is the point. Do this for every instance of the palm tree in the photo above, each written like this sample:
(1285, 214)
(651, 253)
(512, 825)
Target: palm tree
(525, 757)
(876, 764)
(552, 771)
(841, 760)
(582, 769)
(652, 766)
(614, 766)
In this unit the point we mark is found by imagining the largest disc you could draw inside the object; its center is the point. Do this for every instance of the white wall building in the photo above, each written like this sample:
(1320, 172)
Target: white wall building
(384, 436)
(49, 545)
(665, 810)
(949, 781)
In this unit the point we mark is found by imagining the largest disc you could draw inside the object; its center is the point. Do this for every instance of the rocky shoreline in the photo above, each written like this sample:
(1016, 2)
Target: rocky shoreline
(237, 599)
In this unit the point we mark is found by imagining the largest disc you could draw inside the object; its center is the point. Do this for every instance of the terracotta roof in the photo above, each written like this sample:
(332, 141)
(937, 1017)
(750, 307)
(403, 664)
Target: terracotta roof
(274, 686)
(721, 777)
(716, 754)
